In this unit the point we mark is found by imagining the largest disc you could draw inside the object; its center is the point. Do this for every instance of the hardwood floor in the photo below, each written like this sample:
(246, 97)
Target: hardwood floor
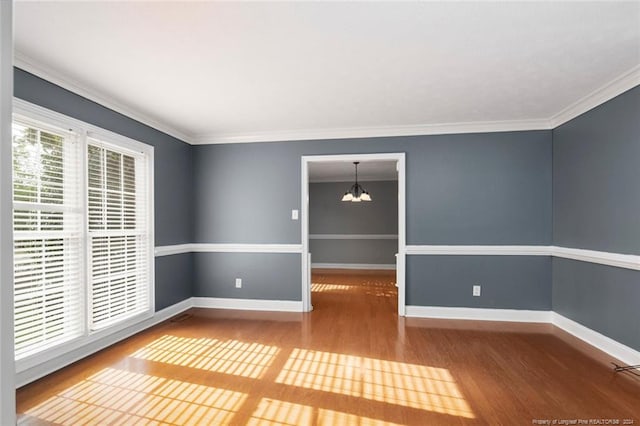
(352, 361)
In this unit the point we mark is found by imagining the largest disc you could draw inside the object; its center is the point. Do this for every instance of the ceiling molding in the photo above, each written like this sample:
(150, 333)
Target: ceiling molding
(36, 68)
(617, 86)
(375, 132)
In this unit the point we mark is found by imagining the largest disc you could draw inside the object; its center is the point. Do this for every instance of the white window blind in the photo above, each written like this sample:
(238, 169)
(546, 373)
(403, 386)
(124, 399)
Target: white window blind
(83, 233)
(48, 254)
(118, 227)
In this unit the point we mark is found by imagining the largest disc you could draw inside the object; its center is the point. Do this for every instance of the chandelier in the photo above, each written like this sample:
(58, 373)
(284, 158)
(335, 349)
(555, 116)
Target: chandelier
(356, 193)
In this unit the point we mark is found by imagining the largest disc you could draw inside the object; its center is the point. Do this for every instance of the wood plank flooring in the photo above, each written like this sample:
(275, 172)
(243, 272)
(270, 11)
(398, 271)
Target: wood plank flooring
(352, 361)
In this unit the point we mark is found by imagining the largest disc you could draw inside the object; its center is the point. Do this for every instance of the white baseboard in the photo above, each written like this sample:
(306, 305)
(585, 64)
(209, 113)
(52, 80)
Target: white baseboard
(616, 349)
(55, 363)
(31, 374)
(247, 304)
(479, 314)
(609, 346)
(383, 266)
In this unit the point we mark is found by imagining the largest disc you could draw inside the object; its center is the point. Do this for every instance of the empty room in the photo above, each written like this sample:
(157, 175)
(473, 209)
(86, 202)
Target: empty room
(319, 213)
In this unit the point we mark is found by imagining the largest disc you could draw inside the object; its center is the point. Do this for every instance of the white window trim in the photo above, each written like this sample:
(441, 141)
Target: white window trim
(84, 130)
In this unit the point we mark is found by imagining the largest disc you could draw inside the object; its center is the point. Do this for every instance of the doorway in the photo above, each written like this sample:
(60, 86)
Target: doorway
(399, 160)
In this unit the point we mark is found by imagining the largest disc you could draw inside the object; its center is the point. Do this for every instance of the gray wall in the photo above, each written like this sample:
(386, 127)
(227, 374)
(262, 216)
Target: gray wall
(513, 282)
(372, 252)
(329, 215)
(475, 189)
(596, 172)
(603, 298)
(596, 166)
(173, 176)
(461, 189)
(489, 188)
(269, 276)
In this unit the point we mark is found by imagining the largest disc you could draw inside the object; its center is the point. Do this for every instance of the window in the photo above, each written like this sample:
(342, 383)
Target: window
(47, 238)
(117, 234)
(83, 239)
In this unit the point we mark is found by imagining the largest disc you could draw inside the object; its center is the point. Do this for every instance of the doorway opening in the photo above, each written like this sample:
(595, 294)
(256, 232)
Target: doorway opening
(339, 165)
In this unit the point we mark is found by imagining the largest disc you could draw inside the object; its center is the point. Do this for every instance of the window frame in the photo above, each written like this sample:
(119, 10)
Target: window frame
(75, 209)
(83, 131)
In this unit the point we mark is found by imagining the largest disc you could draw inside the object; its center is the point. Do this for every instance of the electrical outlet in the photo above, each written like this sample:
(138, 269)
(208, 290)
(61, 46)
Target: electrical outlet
(238, 282)
(476, 290)
(294, 214)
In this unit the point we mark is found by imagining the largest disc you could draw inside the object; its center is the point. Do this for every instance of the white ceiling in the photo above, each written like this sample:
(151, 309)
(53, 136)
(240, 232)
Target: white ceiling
(344, 171)
(234, 71)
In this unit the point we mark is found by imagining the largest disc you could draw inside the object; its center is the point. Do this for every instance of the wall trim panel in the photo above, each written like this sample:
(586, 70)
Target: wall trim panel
(478, 314)
(353, 236)
(246, 248)
(377, 266)
(227, 248)
(175, 249)
(616, 349)
(473, 250)
(613, 348)
(247, 304)
(609, 346)
(618, 260)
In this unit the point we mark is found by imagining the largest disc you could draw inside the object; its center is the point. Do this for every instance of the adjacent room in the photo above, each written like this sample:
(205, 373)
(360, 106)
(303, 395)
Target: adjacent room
(353, 232)
(319, 213)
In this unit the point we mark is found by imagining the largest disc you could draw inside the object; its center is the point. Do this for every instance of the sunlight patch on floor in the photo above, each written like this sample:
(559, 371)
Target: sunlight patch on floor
(281, 413)
(320, 287)
(409, 385)
(220, 356)
(369, 288)
(121, 397)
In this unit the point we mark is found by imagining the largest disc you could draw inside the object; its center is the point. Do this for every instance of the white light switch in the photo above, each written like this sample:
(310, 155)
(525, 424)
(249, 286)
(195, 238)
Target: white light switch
(476, 290)
(238, 282)
(294, 214)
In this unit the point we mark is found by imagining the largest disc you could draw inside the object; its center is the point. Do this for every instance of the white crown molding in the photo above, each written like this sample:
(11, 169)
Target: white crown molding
(478, 250)
(617, 86)
(247, 304)
(373, 266)
(375, 132)
(38, 69)
(606, 92)
(479, 314)
(616, 349)
(618, 260)
(353, 236)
